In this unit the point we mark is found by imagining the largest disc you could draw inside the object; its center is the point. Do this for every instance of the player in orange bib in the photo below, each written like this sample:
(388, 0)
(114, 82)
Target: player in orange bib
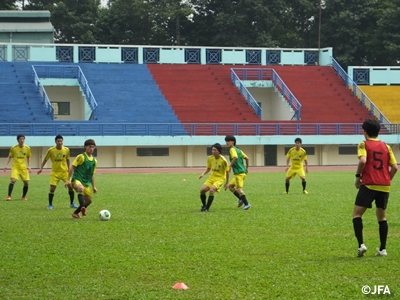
(375, 170)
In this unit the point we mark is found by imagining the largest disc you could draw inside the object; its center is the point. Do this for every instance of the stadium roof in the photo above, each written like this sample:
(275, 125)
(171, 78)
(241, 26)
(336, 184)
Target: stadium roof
(26, 27)
(25, 21)
(24, 14)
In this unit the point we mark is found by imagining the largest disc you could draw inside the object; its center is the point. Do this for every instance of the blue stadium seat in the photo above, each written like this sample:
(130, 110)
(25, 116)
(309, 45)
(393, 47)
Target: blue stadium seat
(124, 94)
(22, 100)
(127, 93)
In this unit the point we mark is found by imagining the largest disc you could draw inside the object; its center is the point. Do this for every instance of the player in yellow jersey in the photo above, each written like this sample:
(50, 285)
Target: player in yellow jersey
(81, 176)
(20, 168)
(218, 178)
(298, 156)
(59, 156)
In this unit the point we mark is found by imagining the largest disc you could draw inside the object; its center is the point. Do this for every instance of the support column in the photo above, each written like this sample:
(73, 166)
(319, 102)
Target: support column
(324, 154)
(189, 156)
(258, 154)
(118, 156)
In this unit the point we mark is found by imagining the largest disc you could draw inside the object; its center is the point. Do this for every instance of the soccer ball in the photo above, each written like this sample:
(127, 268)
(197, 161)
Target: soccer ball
(104, 215)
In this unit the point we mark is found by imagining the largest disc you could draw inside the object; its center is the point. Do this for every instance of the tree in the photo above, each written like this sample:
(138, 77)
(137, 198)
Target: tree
(343, 27)
(7, 5)
(383, 41)
(38, 4)
(153, 22)
(234, 23)
(76, 21)
(361, 32)
(127, 22)
(299, 27)
(170, 14)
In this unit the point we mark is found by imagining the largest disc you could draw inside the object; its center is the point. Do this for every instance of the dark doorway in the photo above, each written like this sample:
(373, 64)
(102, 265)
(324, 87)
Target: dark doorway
(270, 155)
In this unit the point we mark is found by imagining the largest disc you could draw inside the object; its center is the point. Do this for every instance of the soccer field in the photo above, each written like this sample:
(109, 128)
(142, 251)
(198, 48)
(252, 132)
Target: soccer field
(291, 246)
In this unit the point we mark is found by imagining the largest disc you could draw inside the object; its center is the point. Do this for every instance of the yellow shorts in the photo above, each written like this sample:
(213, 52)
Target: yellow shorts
(20, 173)
(291, 173)
(238, 180)
(86, 189)
(56, 177)
(218, 183)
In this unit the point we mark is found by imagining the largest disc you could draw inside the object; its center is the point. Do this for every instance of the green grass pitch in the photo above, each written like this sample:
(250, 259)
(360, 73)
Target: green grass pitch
(286, 246)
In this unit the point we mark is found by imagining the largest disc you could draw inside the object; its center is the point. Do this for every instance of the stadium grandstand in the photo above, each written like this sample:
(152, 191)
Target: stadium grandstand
(161, 106)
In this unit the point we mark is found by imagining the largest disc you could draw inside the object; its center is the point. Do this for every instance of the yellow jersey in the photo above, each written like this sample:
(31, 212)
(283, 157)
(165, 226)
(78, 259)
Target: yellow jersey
(20, 155)
(219, 167)
(58, 158)
(297, 157)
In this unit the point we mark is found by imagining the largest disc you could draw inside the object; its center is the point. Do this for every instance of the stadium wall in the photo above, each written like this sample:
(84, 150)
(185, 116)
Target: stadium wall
(187, 153)
(374, 75)
(72, 95)
(182, 151)
(273, 105)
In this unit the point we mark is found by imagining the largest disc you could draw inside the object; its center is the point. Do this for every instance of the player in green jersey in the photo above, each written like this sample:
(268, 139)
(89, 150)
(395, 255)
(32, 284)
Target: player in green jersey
(81, 176)
(240, 170)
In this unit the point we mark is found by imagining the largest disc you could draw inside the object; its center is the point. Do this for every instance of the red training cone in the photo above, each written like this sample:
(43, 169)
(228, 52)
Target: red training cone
(180, 286)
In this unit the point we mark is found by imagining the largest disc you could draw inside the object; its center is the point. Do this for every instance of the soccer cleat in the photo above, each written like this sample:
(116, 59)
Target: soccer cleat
(381, 252)
(24, 198)
(285, 193)
(77, 216)
(8, 198)
(305, 192)
(203, 209)
(50, 207)
(240, 203)
(246, 207)
(73, 205)
(83, 211)
(361, 250)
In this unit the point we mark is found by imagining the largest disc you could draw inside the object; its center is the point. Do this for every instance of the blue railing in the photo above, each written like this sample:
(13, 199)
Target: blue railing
(267, 74)
(69, 72)
(245, 92)
(365, 101)
(42, 92)
(93, 128)
(88, 93)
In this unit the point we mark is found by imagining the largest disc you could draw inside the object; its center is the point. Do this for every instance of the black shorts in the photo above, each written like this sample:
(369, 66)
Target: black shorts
(366, 196)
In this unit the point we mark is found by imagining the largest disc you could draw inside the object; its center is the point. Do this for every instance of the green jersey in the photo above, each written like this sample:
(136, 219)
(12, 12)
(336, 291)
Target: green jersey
(239, 166)
(85, 167)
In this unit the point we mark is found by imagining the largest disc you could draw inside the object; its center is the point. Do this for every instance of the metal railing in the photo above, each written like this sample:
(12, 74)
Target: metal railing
(265, 74)
(93, 128)
(42, 92)
(88, 93)
(68, 72)
(365, 101)
(236, 80)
